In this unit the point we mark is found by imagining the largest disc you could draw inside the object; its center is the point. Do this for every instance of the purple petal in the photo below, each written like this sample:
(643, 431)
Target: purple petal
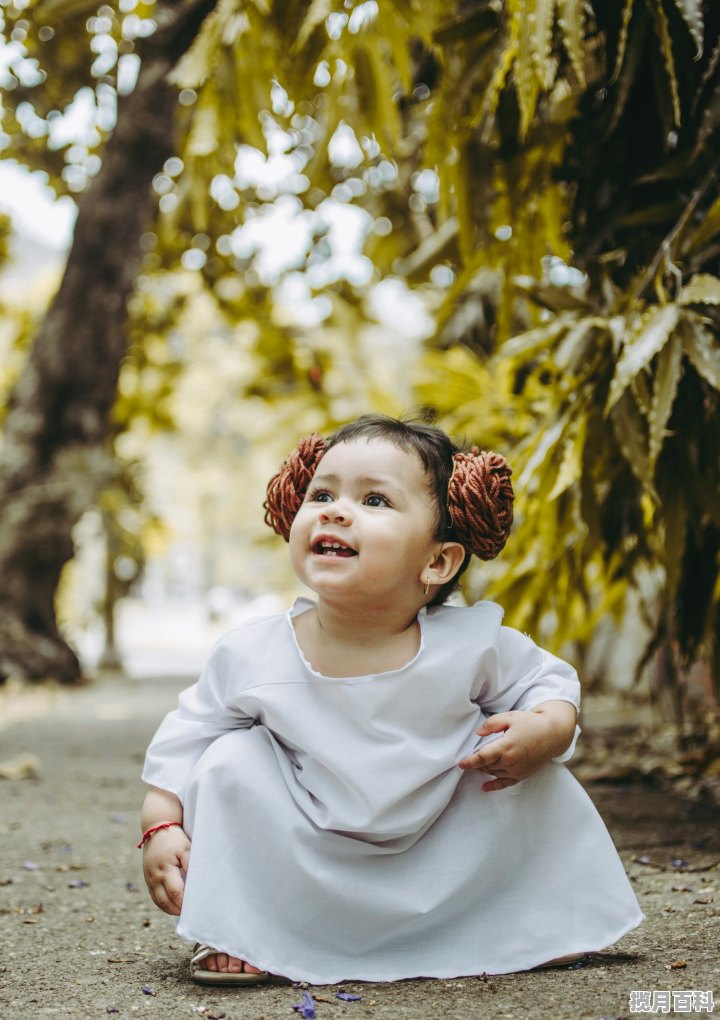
(679, 863)
(112, 1009)
(147, 990)
(30, 865)
(644, 859)
(306, 1008)
(78, 883)
(347, 997)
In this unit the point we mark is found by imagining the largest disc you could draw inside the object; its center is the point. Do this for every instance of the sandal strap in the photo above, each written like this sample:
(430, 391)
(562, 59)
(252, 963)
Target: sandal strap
(202, 952)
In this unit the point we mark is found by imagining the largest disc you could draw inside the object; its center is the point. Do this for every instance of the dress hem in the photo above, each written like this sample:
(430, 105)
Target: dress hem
(277, 970)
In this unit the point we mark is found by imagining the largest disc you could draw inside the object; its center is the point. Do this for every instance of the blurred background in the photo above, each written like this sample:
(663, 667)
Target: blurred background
(229, 224)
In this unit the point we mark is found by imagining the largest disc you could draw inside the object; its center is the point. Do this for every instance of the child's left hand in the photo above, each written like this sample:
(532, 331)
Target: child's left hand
(529, 741)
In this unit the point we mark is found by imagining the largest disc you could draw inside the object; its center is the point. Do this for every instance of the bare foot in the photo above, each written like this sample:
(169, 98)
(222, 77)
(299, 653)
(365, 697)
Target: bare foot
(224, 964)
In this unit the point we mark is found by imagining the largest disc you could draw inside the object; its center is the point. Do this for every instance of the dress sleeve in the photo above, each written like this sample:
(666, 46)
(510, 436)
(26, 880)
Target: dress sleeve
(519, 675)
(204, 713)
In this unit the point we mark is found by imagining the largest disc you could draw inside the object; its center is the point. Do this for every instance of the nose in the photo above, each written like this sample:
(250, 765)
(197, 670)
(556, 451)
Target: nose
(334, 512)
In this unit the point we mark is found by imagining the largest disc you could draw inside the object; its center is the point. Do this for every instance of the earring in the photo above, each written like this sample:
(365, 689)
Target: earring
(427, 588)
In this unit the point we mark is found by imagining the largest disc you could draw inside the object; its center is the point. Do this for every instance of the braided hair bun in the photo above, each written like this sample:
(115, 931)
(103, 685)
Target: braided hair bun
(480, 502)
(286, 490)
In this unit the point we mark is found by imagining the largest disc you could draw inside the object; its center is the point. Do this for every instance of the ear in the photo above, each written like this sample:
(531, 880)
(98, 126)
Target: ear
(446, 563)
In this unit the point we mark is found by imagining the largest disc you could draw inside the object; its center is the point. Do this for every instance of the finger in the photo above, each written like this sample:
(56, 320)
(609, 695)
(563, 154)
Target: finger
(161, 899)
(480, 760)
(499, 784)
(495, 724)
(175, 888)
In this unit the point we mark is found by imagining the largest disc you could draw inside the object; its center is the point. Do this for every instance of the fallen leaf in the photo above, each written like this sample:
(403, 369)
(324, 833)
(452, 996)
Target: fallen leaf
(677, 965)
(22, 766)
(681, 888)
(708, 899)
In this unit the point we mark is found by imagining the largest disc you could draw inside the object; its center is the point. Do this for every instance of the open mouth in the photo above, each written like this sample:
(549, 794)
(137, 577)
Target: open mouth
(324, 547)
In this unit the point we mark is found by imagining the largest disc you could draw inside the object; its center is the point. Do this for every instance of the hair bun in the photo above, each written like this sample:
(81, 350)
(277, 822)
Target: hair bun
(286, 490)
(480, 501)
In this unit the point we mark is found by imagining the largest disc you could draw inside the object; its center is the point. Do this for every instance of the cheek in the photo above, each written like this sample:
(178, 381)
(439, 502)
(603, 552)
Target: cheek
(299, 532)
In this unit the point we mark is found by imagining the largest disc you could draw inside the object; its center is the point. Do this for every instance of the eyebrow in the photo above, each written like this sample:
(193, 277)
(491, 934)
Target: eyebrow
(370, 480)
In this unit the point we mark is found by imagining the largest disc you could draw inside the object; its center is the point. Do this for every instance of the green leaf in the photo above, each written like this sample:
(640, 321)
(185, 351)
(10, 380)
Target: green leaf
(667, 377)
(570, 351)
(545, 65)
(316, 15)
(571, 466)
(546, 441)
(376, 86)
(570, 19)
(527, 85)
(626, 67)
(692, 12)
(709, 227)
(623, 38)
(197, 63)
(709, 124)
(528, 345)
(662, 28)
(505, 60)
(629, 428)
(703, 289)
(702, 348)
(645, 341)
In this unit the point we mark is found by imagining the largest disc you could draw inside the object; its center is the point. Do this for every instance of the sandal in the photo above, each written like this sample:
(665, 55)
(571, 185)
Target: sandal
(203, 976)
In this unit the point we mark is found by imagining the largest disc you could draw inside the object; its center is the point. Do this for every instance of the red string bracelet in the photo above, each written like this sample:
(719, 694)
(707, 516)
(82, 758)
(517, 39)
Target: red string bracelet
(155, 828)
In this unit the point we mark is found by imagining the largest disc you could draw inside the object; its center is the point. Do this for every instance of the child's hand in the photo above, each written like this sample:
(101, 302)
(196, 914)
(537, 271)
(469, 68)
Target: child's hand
(165, 862)
(529, 741)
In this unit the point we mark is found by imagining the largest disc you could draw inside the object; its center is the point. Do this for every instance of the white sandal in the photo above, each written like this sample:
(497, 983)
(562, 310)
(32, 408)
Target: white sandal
(203, 976)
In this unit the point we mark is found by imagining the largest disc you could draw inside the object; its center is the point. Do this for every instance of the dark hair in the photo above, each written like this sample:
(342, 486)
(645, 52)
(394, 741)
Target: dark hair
(435, 450)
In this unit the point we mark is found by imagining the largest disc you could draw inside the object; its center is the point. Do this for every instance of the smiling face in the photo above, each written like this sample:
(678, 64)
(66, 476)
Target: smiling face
(365, 530)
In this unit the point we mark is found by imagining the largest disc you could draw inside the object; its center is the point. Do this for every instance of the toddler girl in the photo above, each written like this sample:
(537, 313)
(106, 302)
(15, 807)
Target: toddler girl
(338, 797)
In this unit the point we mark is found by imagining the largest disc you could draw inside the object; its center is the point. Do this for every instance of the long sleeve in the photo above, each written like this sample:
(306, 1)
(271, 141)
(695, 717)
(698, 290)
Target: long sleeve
(204, 713)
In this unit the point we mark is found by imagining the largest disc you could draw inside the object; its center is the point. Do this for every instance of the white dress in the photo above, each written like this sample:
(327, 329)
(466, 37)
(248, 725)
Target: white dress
(334, 836)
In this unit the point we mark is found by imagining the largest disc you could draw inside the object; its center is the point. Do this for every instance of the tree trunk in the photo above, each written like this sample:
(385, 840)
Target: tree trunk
(55, 451)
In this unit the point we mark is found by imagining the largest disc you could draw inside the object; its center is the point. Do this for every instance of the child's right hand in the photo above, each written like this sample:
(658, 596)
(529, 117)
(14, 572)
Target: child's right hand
(165, 862)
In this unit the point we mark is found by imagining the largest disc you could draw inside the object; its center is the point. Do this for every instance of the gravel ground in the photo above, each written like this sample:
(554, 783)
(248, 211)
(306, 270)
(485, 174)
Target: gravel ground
(79, 937)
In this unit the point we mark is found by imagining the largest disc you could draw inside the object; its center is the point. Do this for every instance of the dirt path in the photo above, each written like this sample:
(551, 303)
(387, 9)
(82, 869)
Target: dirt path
(80, 938)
